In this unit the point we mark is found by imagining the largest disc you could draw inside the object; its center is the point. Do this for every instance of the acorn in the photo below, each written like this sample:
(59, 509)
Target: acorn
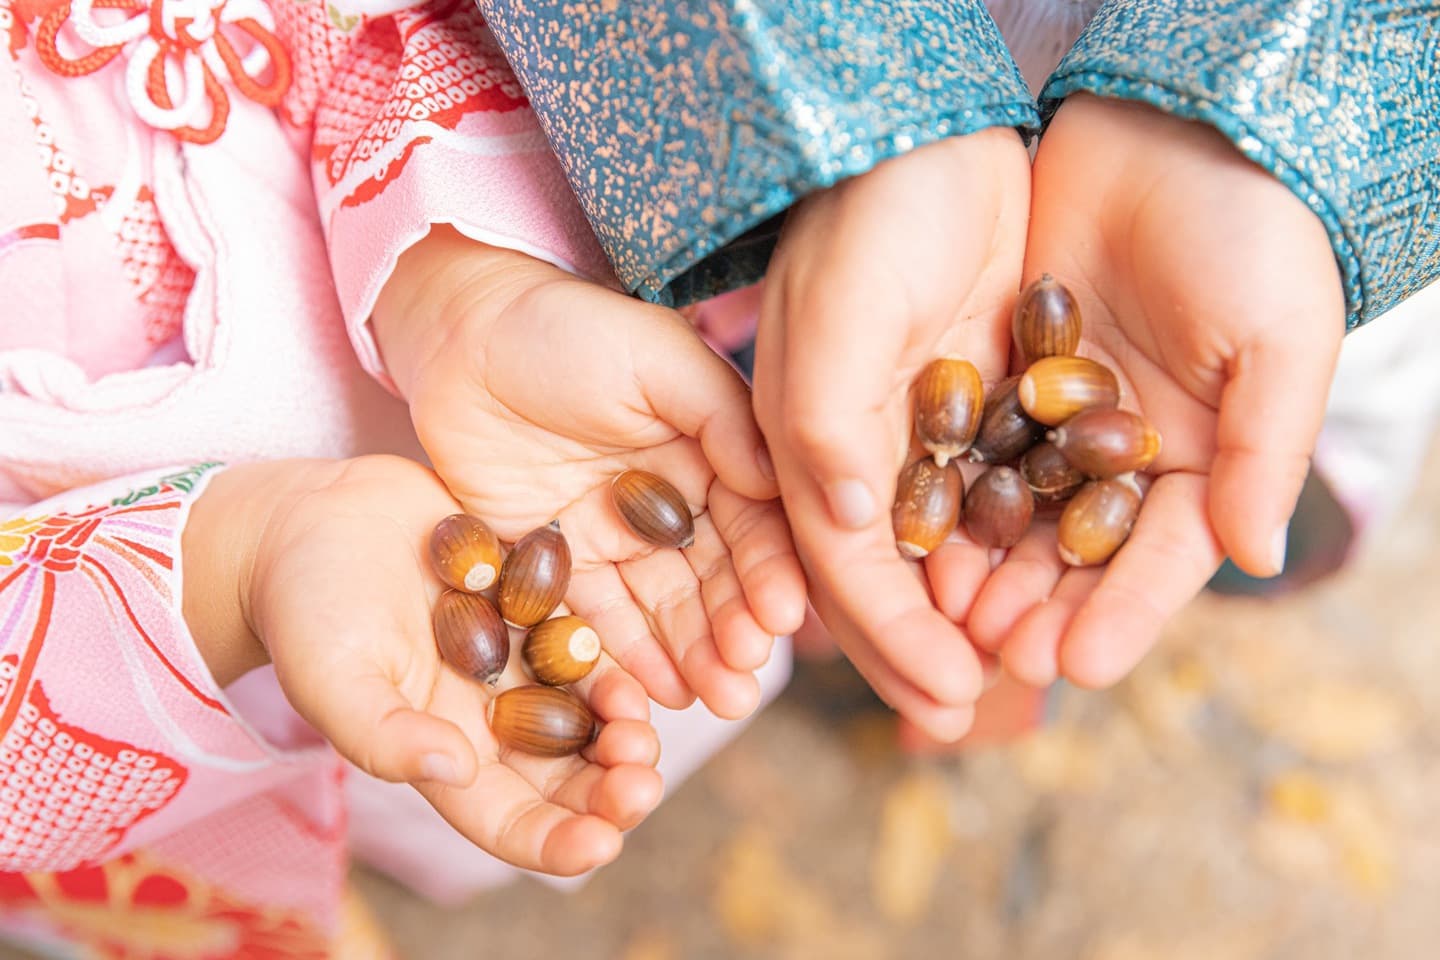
(535, 576)
(653, 509)
(543, 721)
(1049, 475)
(1097, 521)
(465, 553)
(1104, 442)
(1006, 431)
(927, 506)
(561, 650)
(949, 398)
(1054, 389)
(1046, 321)
(998, 508)
(471, 636)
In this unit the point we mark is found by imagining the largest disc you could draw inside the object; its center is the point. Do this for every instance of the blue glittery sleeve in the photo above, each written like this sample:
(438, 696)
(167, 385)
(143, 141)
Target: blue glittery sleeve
(1340, 99)
(687, 127)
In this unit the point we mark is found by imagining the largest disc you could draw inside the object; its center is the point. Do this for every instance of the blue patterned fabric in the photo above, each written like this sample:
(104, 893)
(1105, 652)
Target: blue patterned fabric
(686, 127)
(1340, 99)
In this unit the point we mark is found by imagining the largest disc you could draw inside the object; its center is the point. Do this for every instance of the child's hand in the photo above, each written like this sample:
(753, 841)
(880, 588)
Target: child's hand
(875, 278)
(531, 390)
(1214, 295)
(336, 583)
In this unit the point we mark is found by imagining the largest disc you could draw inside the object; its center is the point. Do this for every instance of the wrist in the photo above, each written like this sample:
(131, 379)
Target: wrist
(218, 548)
(444, 279)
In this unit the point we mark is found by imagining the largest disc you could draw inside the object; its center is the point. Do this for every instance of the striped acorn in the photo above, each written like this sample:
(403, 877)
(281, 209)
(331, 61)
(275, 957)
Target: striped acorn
(535, 576)
(471, 636)
(1046, 321)
(653, 509)
(465, 553)
(561, 650)
(542, 721)
(1054, 389)
(949, 398)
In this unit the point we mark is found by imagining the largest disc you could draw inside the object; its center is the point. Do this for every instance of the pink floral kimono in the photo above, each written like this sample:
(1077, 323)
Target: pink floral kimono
(169, 298)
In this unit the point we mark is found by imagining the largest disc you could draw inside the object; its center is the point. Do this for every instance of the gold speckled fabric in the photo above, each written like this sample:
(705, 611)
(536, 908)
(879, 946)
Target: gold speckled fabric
(1340, 99)
(686, 127)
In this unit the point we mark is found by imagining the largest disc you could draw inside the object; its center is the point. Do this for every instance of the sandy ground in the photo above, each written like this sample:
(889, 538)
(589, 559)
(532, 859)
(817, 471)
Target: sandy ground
(1263, 788)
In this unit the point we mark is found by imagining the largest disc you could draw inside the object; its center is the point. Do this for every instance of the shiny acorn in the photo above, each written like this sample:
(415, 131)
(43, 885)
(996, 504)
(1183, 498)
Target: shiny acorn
(1046, 321)
(1104, 442)
(465, 553)
(998, 508)
(1054, 389)
(1006, 431)
(561, 650)
(927, 506)
(1050, 477)
(535, 576)
(542, 721)
(471, 636)
(949, 398)
(1097, 521)
(653, 509)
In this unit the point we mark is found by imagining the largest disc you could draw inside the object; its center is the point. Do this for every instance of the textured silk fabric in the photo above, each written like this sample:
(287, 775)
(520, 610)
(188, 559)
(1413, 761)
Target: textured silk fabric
(1339, 99)
(685, 126)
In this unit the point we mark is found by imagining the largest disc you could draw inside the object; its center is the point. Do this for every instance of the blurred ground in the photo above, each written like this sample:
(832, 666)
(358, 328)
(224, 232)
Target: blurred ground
(1263, 788)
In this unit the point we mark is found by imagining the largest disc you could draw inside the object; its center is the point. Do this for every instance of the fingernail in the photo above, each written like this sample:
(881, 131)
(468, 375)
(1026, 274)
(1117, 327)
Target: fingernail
(439, 768)
(1277, 549)
(766, 465)
(851, 503)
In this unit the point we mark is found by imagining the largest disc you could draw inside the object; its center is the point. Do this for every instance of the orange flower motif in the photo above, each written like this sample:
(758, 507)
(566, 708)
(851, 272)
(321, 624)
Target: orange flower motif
(177, 52)
(14, 534)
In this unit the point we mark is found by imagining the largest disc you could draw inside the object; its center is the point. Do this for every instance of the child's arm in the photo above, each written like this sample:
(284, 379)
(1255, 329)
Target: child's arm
(316, 566)
(1315, 144)
(1336, 100)
(530, 381)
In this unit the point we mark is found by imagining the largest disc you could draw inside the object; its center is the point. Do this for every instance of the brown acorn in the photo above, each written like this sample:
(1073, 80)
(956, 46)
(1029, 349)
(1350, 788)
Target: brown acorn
(927, 506)
(1049, 475)
(949, 398)
(1104, 442)
(535, 576)
(1006, 431)
(653, 509)
(561, 650)
(465, 553)
(1047, 320)
(543, 721)
(1097, 521)
(998, 508)
(471, 636)
(1054, 389)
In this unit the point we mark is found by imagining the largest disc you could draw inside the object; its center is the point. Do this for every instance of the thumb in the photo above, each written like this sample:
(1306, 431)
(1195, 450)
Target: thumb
(368, 720)
(1271, 411)
(340, 645)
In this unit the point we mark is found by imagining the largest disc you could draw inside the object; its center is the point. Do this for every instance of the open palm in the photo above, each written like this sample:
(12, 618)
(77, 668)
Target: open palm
(342, 596)
(543, 389)
(1213, 294)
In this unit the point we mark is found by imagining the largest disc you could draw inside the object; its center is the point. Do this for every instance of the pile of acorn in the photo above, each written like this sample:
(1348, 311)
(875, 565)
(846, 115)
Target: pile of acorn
(1054, 437)
(488, 596)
